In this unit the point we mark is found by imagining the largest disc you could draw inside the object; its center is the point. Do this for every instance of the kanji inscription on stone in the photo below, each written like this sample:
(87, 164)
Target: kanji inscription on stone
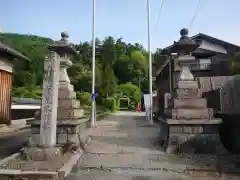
(50, 100)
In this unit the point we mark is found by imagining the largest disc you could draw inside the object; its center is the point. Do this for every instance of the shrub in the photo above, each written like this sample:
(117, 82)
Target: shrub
(110, 103)
(27, 92)
(84, 98)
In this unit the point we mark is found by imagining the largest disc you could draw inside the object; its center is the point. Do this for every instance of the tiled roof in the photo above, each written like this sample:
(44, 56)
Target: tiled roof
(12, 52)
(225, 44)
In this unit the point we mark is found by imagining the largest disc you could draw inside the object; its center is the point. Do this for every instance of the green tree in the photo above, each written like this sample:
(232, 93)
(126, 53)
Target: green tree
(117, 62)
(234, 63)
(108, 59)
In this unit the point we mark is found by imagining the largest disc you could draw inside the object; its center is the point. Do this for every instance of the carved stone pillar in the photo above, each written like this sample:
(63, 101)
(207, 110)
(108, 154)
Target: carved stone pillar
(49, 101)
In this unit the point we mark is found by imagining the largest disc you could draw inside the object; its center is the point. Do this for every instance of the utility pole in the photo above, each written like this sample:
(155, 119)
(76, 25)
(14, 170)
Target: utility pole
(93, 120)
(139, 86)
(150, 62)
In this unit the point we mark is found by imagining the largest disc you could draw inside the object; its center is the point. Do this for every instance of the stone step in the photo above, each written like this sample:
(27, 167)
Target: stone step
(70, 114)
(191, 113)
(190, 103)
(125, 174)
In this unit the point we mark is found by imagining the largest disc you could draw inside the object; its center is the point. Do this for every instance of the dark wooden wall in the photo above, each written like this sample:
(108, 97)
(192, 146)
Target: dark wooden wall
(5, 97)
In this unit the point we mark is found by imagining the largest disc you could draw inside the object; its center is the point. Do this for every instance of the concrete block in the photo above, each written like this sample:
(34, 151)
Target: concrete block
(187, 129)
(68, 103)
(41, 154)
(188, 93)
(34, 139)
(192, 129)
(83, 127)
(190, 103)
(188, 84)
(66, 94)
(70, 114)
(214, 121)
(35, 130)
(67, 168)
(175, 129)
(68, 129)
(63, 138)
(190, 113)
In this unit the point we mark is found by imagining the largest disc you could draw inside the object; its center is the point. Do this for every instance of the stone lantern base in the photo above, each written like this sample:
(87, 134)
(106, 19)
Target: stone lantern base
(190, 126)
(67, 132)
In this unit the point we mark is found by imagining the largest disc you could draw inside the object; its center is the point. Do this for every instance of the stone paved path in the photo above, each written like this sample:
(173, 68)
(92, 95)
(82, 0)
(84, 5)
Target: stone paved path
(125, 147)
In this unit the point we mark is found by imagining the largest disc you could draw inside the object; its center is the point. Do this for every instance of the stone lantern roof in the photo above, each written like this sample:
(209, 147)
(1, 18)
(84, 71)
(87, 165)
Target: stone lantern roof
(185, 44)
(63, 47)
(7, 51)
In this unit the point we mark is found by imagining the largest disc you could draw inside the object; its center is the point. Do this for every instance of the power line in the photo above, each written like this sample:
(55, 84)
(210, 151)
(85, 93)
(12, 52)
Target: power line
(160, 12)
(199, 7)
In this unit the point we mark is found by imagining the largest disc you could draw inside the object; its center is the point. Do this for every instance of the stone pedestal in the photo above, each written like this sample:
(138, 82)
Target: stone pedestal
(68, 132)
(34, 153)
(68, 105)
(70, 118)
(190, 126)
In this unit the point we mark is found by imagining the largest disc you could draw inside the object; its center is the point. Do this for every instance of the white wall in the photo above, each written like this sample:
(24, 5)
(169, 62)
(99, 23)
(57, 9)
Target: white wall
(212, 47)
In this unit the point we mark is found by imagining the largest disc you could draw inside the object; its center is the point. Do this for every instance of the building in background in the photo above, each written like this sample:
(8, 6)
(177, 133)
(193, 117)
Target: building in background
(7, 55)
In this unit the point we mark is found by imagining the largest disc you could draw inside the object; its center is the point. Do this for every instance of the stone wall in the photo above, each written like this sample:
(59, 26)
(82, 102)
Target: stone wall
(229, 95)
(222, 93)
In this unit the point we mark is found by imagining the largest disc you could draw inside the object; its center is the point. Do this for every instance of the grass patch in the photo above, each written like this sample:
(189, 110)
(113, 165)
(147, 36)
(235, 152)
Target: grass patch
(100, 114)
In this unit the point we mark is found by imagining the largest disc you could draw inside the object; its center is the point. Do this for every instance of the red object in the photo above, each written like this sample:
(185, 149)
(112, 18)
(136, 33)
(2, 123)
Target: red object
(138, 107)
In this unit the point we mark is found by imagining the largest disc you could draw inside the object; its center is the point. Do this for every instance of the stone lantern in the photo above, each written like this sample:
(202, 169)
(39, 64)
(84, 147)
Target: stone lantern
(67, 103)
(61, 116)
(189, 122)
(70, 117)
